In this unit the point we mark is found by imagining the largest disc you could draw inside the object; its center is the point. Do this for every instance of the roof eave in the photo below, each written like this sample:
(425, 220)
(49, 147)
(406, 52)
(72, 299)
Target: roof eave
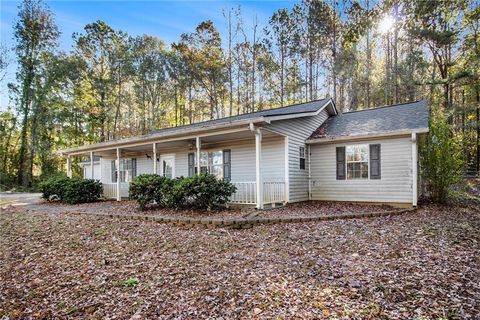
(332, 111)
(330, 139)
(159, 136)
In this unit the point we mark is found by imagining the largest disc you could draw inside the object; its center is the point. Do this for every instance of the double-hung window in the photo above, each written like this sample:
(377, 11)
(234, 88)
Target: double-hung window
(216, 162)
(301, 155)
(357, 161)
(127, 170)
(212, 162)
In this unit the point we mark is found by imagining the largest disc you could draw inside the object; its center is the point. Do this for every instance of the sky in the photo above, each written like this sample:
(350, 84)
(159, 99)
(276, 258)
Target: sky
(164, 19)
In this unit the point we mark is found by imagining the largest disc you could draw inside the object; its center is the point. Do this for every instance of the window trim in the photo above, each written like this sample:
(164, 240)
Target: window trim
(210, 165)
(347, 162)
(118, 172)
(304, 158)
(167, 156)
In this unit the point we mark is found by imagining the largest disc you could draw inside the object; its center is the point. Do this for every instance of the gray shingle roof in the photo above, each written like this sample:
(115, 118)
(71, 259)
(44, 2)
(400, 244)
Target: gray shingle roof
(295, 109)
(311, 106)
(400, 117)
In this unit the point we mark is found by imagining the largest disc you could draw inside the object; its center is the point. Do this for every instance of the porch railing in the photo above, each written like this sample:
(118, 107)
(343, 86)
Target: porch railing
(273, 192)
(110, 190)
(246, 193)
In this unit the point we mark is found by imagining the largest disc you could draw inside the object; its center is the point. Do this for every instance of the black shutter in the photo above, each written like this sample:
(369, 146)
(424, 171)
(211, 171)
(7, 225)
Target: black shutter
(340, 163)
(191, 164)
(134, 167)
(114, 171)
(227, 164)
(375, 161)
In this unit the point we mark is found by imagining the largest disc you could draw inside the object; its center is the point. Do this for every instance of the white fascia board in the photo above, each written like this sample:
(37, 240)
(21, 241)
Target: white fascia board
(366, 136)
(140, 140)
(303, 114)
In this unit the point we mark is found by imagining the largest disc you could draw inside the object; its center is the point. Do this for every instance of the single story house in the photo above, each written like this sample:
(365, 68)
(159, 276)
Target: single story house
(301, 152)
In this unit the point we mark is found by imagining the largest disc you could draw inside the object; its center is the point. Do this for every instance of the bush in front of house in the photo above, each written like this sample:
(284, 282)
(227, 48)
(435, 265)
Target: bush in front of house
(203, 191)
(71, 190)
(151, 188)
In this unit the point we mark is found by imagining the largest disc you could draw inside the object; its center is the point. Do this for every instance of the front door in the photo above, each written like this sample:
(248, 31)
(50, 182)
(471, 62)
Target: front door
(167, 166)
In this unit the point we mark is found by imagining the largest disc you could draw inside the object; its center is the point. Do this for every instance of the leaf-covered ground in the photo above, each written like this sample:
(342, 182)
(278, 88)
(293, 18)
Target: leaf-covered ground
(422, 265)
(311, 208)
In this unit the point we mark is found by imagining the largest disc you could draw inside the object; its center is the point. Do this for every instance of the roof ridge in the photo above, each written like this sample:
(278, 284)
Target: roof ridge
(383, 107)
(242, 114)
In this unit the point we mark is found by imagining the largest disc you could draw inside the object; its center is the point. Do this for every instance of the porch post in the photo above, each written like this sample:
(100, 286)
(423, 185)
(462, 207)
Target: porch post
(69, 166)
(155, 158)
(258, 173)
(287, 172)
(91, 166)
(118, 175)
(198, 144)
(414, 169)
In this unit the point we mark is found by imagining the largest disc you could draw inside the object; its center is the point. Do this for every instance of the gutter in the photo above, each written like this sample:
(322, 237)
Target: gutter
(366, 136)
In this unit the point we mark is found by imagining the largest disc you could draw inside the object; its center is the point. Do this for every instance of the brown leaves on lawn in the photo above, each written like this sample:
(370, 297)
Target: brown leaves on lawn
(423, 264)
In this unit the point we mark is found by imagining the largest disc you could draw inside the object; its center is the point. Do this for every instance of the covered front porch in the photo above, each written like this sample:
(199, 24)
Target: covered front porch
(252, 158)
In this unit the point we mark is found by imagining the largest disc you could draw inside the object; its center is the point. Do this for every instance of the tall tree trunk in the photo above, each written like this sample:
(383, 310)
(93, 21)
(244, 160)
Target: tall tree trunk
(176, 106)
(478, 130)
(254, 58)
(395, 56)
(190, 107)
(387, 71)
(334, 52)
(230, 64)
(282, 76)
(22, 178)
(369, 59)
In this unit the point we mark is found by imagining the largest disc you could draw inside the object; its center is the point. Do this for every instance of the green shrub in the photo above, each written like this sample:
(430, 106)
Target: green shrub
(204, 191)
(53, 186)
(71, 190)
(151, 188)
(441, 159)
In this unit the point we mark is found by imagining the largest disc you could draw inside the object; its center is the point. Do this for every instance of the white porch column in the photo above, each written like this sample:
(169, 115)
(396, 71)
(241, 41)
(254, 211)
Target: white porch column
(414, 169)
(258, 173)
(69, 166)
(92, 172)
(198, 144)
(154, 158)
(118, 175)
(287, 172)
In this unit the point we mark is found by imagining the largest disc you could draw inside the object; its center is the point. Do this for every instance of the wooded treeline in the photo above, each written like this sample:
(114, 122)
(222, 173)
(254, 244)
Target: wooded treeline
(112, 85)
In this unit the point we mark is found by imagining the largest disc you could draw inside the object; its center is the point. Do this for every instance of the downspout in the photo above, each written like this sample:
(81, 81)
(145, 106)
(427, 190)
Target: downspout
(309, 174)
(414, 169)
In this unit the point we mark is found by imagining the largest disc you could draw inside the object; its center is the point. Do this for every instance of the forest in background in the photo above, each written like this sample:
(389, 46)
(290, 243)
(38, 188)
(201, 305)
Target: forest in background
(112, 85)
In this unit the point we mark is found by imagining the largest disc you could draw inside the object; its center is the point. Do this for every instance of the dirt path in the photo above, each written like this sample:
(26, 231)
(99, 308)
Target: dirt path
(19, 199)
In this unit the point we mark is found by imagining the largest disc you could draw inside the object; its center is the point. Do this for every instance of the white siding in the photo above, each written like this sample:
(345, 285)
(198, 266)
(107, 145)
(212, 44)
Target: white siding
(243, 160)
(144, 165)
(106, 164)
(395, 184)
(87, 172)
(181, 163)
(298, 130)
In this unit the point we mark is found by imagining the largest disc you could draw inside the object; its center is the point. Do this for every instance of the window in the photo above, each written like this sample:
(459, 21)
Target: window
(127, 170)
(302, 157)
(168, 166)
(357, 161)
(212, 162)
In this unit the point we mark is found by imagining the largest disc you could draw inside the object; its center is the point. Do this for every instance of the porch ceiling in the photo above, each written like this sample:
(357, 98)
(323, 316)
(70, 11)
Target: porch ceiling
(182, 143)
